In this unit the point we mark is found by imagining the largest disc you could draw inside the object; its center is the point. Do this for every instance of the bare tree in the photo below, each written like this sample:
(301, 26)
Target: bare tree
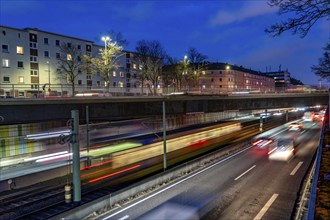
(141, 56)
(107, 60)
(150, 55)
(70, 64)
(197, 64)
(323, 69)
(171, 74)
(307, 12)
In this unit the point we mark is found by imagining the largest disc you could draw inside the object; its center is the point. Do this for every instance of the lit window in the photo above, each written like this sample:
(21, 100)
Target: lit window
(121, 84)
(121, 74)
(140, 67)
(5, 62)
(19, 50)
(69, 57)
(114, 74)
(21, 79)
(134, 66)
(247, 81)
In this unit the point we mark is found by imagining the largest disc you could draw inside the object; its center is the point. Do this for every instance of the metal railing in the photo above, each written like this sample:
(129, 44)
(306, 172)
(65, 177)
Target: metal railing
(65, 90)
(313, 193)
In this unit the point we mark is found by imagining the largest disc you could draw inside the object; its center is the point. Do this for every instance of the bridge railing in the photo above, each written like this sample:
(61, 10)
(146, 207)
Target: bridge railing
(66, 90)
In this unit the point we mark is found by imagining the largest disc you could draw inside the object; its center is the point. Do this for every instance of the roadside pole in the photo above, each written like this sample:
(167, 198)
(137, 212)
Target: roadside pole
(76, 156)
(164, 134)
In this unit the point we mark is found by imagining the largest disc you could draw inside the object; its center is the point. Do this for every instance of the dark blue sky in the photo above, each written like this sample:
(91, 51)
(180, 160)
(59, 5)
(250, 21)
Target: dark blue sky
(225, 31)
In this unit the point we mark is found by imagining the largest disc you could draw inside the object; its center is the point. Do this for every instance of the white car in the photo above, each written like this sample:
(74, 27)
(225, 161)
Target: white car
(284, 150)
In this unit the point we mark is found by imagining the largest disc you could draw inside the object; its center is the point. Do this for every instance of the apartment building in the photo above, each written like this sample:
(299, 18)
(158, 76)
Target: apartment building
(29, 65)
(226, 78)
(282, 79)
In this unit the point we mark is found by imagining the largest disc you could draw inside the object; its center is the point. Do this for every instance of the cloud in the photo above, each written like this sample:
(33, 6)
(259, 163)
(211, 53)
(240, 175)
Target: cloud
(249, 10)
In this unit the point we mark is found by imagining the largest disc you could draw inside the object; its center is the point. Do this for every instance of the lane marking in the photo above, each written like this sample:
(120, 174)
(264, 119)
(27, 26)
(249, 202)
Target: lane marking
(177, 183)
(245, 172)
(266, 207)
(124, 217)
(278, 133)
(296, 168)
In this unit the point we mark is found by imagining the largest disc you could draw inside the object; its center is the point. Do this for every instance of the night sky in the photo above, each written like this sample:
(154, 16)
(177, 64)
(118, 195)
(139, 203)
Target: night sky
(225, 31)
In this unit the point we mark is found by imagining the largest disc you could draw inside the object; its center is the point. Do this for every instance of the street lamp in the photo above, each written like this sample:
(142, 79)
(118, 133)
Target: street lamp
(105, 39)
(48, 75)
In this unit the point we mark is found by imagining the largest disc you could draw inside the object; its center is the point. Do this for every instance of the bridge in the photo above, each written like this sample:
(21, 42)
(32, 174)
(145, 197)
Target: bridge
(34, 110)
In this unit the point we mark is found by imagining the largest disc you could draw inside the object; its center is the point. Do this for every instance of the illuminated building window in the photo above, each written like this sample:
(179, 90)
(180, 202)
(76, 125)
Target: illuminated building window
(19, 50)
(134, 66)
(69, 57)
(121, 74)
(247, 81)
(21, 79)
(5, 62)
(114, 74)
(121, 84)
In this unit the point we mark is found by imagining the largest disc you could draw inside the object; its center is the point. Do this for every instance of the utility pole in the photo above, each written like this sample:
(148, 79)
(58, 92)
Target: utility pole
(76, 156)
(164, 135)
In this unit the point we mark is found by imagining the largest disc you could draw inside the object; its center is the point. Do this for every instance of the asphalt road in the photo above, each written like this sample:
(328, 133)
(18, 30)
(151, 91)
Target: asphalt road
(246, 185)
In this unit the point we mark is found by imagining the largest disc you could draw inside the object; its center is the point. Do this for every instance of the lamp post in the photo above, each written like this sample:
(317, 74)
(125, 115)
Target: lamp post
(48, 75)
(106, 39)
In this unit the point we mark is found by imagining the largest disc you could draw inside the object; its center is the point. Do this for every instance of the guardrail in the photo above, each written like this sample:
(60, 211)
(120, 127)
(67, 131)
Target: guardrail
(313, 194)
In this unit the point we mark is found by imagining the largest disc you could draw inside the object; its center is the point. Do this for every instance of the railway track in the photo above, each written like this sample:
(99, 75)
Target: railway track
(46, 202)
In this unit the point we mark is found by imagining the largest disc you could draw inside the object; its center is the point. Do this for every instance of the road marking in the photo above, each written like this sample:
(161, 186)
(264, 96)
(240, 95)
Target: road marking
(296, 168)
(266, 207)
(177, 183)
(124, 217)
(245, 172)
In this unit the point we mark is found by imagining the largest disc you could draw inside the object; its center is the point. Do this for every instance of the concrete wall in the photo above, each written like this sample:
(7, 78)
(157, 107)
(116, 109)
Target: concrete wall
(34, 110)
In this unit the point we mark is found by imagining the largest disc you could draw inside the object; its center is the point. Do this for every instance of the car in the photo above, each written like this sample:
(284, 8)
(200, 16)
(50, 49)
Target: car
(284, 150)
(266, 144)
(295, 126)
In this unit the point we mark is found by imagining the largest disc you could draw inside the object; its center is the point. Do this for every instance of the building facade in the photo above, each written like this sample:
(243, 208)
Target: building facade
(282, 80)
(226, 78)
(29, 65)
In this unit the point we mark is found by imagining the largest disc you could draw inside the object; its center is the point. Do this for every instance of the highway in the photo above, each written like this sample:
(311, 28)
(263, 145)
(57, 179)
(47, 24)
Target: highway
(245, 185)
